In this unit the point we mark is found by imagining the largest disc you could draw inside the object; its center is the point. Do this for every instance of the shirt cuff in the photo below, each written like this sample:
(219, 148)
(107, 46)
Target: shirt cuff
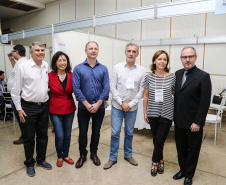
(131, 104)
(119, 100)
(18, 107)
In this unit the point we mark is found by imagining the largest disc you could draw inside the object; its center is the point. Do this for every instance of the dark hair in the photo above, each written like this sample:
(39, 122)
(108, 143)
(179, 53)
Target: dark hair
(20, 49)
(155, 56)
(56, 57)
(1, 72)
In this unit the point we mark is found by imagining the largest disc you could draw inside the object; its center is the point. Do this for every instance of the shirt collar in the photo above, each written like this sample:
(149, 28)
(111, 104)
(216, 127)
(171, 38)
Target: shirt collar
(22, 59)
(126, 65)
(34, 64)
(86, 63)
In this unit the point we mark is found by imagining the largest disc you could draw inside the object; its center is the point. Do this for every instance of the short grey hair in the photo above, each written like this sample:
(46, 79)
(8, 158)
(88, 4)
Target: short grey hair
(90, 42)
(35, 43)
(132, 44)
(188, 47)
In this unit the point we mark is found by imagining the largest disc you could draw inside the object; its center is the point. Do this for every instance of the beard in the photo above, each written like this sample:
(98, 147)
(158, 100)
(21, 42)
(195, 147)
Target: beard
(188, 67)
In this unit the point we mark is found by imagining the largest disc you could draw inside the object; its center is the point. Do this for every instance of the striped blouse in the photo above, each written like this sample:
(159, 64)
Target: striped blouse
(166, 108)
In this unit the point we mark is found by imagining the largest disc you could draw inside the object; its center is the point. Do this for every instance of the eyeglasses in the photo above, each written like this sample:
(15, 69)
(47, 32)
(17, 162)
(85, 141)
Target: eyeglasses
(13, 51)
(189, 57)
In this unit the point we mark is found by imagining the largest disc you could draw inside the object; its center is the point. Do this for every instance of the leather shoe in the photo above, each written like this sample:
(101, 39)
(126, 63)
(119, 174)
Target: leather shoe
(188, 181)
(19, 141)
(95, 159)
(59, 162)
(81, 161)
(45, 165)
(30, 171)
(109, 164)
(131, 160)
(69, 160)
(178, 175)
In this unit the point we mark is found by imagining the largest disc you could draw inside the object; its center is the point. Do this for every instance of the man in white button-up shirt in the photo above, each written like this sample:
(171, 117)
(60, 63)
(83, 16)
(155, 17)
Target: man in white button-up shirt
(2, 101)
(30, 96)
(18, 53)
(126, 88)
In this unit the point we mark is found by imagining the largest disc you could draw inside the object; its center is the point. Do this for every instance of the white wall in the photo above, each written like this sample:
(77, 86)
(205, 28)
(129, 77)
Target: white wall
(2, 63)
(210, 56)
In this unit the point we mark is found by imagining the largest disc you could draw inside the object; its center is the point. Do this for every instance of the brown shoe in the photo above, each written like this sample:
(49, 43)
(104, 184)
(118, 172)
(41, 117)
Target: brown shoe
(81, 161)
(131, 160)
(95, 159)
(109, 164)
(19, 141)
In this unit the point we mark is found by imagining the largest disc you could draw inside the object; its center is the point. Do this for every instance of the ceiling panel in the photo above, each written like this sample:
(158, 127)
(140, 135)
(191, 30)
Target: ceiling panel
(10, 9)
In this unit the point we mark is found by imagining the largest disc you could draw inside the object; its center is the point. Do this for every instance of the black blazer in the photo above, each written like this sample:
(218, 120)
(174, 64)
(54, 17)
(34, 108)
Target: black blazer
(192, 100)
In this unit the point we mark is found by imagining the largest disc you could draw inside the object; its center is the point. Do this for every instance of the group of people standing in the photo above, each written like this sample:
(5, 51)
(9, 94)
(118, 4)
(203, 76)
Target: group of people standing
(183, 97)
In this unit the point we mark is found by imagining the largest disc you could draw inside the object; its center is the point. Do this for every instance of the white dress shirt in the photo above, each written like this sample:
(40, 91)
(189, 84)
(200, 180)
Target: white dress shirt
(121, 73)
(31, 83)
(10, 81)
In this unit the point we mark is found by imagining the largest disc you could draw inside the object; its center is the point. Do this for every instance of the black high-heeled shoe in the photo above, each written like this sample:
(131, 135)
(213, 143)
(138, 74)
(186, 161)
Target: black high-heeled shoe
(161, 167)
(154, 169)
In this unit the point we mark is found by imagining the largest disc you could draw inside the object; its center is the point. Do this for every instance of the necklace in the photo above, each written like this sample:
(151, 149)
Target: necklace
(61, 76)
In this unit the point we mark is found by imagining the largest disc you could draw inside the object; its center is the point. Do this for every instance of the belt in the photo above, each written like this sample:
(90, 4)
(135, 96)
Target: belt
(33, 103)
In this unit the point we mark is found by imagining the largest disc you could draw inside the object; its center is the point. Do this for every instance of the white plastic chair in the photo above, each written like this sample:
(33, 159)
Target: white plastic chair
(212, 118)
(8, 107)
(216, 107)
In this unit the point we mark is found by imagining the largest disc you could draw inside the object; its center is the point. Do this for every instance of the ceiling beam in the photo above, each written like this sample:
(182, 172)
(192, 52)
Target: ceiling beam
(31, 3)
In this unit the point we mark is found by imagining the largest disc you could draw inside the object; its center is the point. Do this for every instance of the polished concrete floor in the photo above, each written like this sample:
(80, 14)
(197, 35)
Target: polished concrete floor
(211, 168)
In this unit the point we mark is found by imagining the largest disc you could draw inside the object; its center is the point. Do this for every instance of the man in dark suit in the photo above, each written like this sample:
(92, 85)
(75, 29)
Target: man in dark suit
(192, 100)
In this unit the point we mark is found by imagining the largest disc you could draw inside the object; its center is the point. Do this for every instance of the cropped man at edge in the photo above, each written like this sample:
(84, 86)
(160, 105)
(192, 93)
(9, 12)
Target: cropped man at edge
(2, 101)
(18, 53)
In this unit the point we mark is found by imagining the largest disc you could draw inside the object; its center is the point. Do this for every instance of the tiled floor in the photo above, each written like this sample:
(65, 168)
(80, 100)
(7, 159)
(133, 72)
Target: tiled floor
(211, 168)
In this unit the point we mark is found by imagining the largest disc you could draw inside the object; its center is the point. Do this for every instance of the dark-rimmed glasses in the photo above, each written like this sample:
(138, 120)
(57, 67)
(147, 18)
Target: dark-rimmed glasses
(189, 57)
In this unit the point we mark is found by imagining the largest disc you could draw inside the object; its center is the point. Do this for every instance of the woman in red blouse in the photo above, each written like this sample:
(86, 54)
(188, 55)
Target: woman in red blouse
(61, 106)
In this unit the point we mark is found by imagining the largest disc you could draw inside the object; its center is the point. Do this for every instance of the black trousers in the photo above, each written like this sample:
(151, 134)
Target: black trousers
(159, 128)
(83, 120)
(36, 123)
(2, 105)
(188, 147)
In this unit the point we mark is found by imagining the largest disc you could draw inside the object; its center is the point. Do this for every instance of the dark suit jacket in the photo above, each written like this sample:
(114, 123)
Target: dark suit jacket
(192, 100)
(61, 101)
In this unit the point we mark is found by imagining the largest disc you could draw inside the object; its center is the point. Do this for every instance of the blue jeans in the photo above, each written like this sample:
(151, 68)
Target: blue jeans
(17, 117)
(116, 124)
(62, 127)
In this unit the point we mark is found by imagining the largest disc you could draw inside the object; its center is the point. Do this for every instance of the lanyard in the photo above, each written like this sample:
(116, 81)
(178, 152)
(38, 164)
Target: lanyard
(162, 83)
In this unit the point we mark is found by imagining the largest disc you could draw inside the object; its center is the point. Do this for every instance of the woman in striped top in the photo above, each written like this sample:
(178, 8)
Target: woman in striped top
(158, 105)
